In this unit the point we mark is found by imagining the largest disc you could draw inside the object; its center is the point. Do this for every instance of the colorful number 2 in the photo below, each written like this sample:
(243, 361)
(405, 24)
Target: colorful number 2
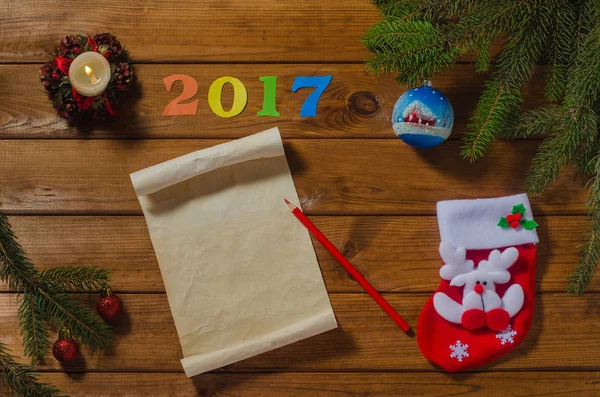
(190, 88)
(309, 108)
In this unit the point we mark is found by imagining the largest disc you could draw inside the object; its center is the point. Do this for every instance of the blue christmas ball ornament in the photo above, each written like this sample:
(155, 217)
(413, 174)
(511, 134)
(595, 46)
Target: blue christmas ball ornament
(423, 117)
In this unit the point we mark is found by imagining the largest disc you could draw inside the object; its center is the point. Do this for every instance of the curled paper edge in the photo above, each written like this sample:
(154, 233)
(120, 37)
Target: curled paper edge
(152, 179)
(200, 363)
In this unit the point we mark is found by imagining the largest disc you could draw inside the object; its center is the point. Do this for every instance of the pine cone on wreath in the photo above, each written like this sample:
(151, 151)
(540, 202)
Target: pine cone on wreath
(69, 47)
(123, 74)
(67, 108)
(109, 46)
(50, 77)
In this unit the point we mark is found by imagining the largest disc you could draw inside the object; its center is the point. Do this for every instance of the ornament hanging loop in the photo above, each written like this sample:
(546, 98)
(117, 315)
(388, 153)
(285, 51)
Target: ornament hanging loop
(426, 83)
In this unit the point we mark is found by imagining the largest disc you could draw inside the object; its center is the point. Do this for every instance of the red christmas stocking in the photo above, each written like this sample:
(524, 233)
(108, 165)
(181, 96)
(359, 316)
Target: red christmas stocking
(484, 304)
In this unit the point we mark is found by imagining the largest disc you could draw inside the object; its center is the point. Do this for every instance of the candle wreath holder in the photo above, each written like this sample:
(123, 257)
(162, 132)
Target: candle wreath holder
(54, 76)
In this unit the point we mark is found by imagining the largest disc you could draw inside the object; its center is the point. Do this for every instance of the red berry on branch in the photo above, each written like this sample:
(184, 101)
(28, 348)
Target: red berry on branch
(106, 54)
(65, 348)
(76, 50)
(514, 224)
(518, 216)
(109, 305)
(55, 76)
(510, 218)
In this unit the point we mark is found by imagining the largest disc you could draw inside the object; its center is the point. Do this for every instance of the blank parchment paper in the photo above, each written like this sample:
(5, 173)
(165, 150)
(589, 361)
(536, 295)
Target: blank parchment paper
(240, 271)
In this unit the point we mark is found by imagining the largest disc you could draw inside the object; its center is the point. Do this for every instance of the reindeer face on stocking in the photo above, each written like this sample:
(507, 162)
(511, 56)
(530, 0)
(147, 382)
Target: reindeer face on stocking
(481, 305)
(484, 304)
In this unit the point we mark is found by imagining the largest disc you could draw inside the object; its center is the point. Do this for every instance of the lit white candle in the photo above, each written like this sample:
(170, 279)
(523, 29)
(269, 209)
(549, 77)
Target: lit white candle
(89, 73)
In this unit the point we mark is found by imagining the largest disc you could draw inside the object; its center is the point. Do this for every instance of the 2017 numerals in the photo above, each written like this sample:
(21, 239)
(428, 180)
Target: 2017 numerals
(240, 95)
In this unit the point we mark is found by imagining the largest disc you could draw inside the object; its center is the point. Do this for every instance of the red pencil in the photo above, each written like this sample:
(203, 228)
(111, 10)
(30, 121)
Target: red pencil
(348, 266)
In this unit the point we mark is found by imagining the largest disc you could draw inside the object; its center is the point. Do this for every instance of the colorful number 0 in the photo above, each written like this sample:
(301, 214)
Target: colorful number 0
(240, 96)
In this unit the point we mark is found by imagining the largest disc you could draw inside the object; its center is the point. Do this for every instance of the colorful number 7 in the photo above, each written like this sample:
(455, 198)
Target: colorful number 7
(309, 108)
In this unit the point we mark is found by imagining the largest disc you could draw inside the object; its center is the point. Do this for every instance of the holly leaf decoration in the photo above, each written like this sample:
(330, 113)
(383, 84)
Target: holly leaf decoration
(503, 223)
(529, 224)
(518, 209)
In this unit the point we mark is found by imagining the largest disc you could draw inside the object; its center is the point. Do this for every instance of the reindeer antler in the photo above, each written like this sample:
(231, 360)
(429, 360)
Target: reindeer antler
(455, 261)
(498, 262)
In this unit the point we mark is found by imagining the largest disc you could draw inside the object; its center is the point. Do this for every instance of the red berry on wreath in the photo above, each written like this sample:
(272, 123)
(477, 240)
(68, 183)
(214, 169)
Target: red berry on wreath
(76, 50)
(65, 348)
(55, 76)
(109, 305)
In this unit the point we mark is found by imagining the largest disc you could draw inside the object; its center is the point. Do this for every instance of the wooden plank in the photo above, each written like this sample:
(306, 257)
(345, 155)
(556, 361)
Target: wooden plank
(332, 176)
(396, 254)
(564, 331)
(355, 105)
(336, 384)
(192, 31)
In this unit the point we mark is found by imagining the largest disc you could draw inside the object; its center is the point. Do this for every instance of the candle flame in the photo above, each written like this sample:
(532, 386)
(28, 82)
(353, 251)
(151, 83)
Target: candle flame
(89, 72)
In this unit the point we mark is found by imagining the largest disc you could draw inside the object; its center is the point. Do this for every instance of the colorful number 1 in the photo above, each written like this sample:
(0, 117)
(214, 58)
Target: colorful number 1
(269, 97)
(309, 108)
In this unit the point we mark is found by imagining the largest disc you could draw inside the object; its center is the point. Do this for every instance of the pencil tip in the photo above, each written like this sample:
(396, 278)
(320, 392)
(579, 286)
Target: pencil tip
(290, 205)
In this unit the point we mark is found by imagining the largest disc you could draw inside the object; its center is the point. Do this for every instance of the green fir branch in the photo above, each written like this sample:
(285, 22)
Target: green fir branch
(88, 279)
(492, 115)
(558, 150)
(590, 250)
(15, 268)
(33, 328)
(502, 97)
(536, 122)
(61, 310)
(420, 54)
(421, 38)
(22, 378)
(560, 52)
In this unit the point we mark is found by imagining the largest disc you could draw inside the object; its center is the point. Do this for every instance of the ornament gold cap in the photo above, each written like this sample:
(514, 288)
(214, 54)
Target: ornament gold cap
(64, 333)
(106, 291)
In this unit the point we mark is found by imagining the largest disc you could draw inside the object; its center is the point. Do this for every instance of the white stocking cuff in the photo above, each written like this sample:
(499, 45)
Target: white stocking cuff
(473, 224)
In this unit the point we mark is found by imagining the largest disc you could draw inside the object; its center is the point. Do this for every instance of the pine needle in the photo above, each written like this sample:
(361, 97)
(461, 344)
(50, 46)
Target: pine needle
(75, 278)
(62, 311)
(590, 250)
(33, 329)
(22, 378)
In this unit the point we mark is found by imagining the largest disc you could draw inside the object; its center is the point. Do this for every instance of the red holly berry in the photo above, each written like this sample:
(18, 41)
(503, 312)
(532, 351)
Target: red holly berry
(517, 216)
(65, 348)
(106, 54)
(510, 218)
(55, 76)
(76, 50)
(514, 224)
(109, 305)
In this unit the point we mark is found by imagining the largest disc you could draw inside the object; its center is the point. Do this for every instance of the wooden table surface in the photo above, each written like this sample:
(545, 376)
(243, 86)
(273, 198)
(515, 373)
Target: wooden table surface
(71, 202)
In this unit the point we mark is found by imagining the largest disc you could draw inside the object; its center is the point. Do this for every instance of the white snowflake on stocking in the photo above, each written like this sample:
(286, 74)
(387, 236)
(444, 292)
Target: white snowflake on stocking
(507, 335)
(459, 351)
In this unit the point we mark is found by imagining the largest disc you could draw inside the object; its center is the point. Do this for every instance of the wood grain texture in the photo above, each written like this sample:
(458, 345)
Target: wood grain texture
(396, 254)
(340, 384)
(355, 105)
(332, 176)
(193, 31)
(564, 336)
